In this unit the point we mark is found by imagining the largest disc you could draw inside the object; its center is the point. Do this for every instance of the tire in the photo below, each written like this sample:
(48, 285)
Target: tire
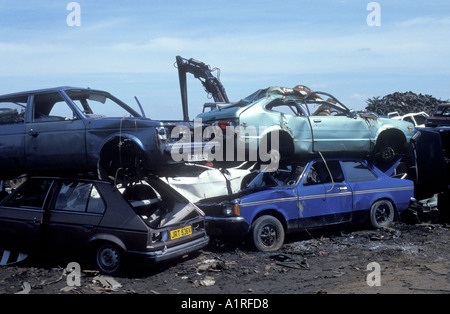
(109, 259)
(267, 234)
(382, 214)
(388, 147)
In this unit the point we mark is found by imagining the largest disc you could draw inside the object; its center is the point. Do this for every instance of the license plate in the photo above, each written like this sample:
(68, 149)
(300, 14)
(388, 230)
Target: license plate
(198, 157)
(179, 233)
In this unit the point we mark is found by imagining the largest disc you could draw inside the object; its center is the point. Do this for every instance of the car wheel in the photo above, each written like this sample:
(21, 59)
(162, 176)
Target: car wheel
(109, 259)
(388, 147)
(267, 233)
(382, 214)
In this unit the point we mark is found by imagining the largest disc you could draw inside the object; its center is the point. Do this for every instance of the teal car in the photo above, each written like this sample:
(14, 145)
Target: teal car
(301, 122)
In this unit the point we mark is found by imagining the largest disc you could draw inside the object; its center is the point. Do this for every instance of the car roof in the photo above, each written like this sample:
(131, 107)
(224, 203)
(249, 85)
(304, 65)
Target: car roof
(52, 89)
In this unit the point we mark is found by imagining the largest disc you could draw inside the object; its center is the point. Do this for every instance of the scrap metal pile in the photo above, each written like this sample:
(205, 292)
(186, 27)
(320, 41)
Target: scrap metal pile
(403, 103)
(113, 185)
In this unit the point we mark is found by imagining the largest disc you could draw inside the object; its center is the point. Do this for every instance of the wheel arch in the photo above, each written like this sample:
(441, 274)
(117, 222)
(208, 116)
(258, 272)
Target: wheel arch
(272, 212)
(102, 238)
(127, 145)
(391, 134)
(285, 141)
(389, 199)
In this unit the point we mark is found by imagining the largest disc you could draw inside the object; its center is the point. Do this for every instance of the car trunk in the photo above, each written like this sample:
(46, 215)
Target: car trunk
(172, 218)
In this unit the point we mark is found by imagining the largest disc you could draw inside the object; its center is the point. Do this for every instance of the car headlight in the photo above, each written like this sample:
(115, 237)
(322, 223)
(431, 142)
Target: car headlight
(232, 210)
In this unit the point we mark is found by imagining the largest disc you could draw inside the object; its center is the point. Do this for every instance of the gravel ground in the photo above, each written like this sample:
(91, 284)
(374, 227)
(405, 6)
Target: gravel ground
(405, 259)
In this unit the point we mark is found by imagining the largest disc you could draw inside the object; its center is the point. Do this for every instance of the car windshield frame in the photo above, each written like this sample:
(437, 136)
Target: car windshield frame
(302, 102)
(282, 177)
(332, 102)
(86, 100)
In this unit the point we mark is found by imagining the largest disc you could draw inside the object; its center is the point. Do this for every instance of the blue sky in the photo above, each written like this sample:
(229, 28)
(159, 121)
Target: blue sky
(129, 48)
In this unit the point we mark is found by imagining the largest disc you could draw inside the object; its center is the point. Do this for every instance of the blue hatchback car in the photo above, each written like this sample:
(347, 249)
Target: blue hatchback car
(311, 194)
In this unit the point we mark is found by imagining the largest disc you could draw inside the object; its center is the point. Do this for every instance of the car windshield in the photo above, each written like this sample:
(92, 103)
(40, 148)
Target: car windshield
(284, 176)
(95, 103)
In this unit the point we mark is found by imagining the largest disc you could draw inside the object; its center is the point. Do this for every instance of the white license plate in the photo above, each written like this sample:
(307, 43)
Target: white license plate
(198, 157)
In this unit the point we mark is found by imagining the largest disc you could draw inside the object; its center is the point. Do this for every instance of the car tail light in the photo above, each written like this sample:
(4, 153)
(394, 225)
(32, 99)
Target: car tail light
(222, 124)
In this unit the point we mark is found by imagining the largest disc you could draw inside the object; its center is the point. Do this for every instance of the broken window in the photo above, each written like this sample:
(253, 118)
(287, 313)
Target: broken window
(157, 205)
(287, 108)
(94, 104)
(323, 173)
(31, 195)
(286, 175)
(79, 197)
(12, 111)
(50, 108)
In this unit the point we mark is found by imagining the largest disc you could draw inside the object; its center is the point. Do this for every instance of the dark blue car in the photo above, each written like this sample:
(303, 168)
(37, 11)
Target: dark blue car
(69, 130)
(306, 195)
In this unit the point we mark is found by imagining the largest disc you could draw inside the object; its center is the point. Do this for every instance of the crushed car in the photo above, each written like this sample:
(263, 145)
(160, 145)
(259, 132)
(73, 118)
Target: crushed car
(198, 182)
(418, 119)
(440, 117)
(112, 226)
(68, 130)
(312, 194)
(305, 122)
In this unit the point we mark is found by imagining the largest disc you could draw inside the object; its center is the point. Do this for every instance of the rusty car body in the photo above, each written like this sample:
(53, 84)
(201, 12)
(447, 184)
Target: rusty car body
(92, 220)
(307, 122)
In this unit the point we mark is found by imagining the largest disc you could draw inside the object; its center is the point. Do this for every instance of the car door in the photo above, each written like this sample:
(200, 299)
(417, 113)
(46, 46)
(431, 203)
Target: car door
(55, 136)
(292, 120)
(324, 196)
(362, 182)
(73, 217)
(12, 133)
(21, 216)
(337, 131)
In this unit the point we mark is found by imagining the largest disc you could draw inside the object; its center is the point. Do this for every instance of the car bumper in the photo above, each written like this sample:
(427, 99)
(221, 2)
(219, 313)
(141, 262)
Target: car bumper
(226, 226)
(192, 151)
(170, 253)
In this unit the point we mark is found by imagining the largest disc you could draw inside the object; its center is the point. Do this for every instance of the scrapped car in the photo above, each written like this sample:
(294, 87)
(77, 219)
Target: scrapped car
(198, 182)
(306, 122)
(440, 117)
(111, 225)
(80, 130)
(418, 119)
(310, 194)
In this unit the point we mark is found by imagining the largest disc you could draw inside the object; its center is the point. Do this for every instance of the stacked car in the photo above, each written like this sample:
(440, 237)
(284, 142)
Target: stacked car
(279, 161)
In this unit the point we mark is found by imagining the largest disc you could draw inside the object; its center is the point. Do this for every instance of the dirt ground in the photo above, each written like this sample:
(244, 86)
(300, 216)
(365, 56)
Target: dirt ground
(409, 258)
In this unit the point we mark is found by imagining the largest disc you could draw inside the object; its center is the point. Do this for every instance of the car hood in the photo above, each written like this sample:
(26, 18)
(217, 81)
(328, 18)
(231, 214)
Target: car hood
(246, 194)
